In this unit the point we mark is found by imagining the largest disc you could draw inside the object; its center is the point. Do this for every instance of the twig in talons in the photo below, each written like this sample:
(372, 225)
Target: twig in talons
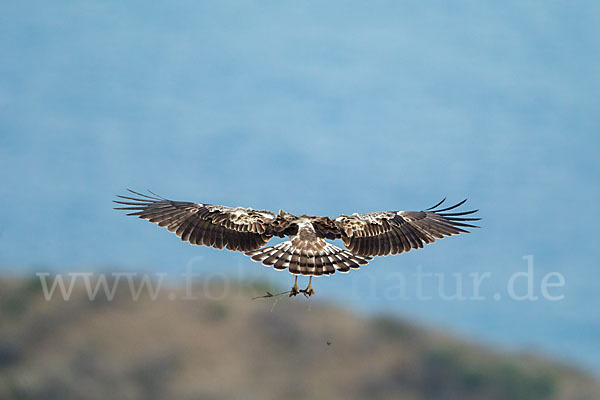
(306, 292)
(269, 294)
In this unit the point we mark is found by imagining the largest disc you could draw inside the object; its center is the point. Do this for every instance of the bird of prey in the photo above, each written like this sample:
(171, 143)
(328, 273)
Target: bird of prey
(307, 251)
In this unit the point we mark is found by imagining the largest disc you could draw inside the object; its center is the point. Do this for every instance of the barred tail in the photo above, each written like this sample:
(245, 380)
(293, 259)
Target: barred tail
(302, 261)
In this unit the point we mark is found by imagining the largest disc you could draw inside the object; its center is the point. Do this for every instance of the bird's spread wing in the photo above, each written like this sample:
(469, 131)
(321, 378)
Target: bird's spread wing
(240, 229)
(393, 232)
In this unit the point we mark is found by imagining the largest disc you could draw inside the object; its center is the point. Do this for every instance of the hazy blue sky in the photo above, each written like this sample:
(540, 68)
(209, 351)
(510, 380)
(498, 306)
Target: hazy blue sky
(320, 108)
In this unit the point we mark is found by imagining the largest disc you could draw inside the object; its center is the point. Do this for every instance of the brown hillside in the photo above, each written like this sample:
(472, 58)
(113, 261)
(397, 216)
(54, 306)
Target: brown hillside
(237, 348)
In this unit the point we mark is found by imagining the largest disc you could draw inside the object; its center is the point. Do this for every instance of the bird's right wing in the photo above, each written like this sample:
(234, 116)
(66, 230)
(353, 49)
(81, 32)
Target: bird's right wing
(393, 232)
(240, 229)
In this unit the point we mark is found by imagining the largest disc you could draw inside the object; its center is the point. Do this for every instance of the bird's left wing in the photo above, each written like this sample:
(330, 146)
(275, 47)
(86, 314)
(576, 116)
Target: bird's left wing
(240, 229)
(393, 232)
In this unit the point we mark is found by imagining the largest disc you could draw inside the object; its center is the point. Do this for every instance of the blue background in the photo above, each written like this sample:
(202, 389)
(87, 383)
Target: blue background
(317, 108)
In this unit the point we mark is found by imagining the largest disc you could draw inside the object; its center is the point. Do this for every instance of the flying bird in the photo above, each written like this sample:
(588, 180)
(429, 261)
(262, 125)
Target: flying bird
(307, 251)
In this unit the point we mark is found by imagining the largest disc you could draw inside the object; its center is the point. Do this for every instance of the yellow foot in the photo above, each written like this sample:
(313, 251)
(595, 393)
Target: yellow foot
(309, 291)
(294, 290)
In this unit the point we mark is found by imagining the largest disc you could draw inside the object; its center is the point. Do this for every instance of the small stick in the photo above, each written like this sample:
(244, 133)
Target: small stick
(269, 294)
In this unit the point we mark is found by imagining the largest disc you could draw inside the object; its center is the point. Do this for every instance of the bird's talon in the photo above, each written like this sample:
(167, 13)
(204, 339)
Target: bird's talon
(307, 292)
(294, 291)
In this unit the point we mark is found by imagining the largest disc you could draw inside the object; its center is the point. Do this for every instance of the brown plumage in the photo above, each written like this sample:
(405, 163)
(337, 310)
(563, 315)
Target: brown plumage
(393, 232)
(307, 252)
